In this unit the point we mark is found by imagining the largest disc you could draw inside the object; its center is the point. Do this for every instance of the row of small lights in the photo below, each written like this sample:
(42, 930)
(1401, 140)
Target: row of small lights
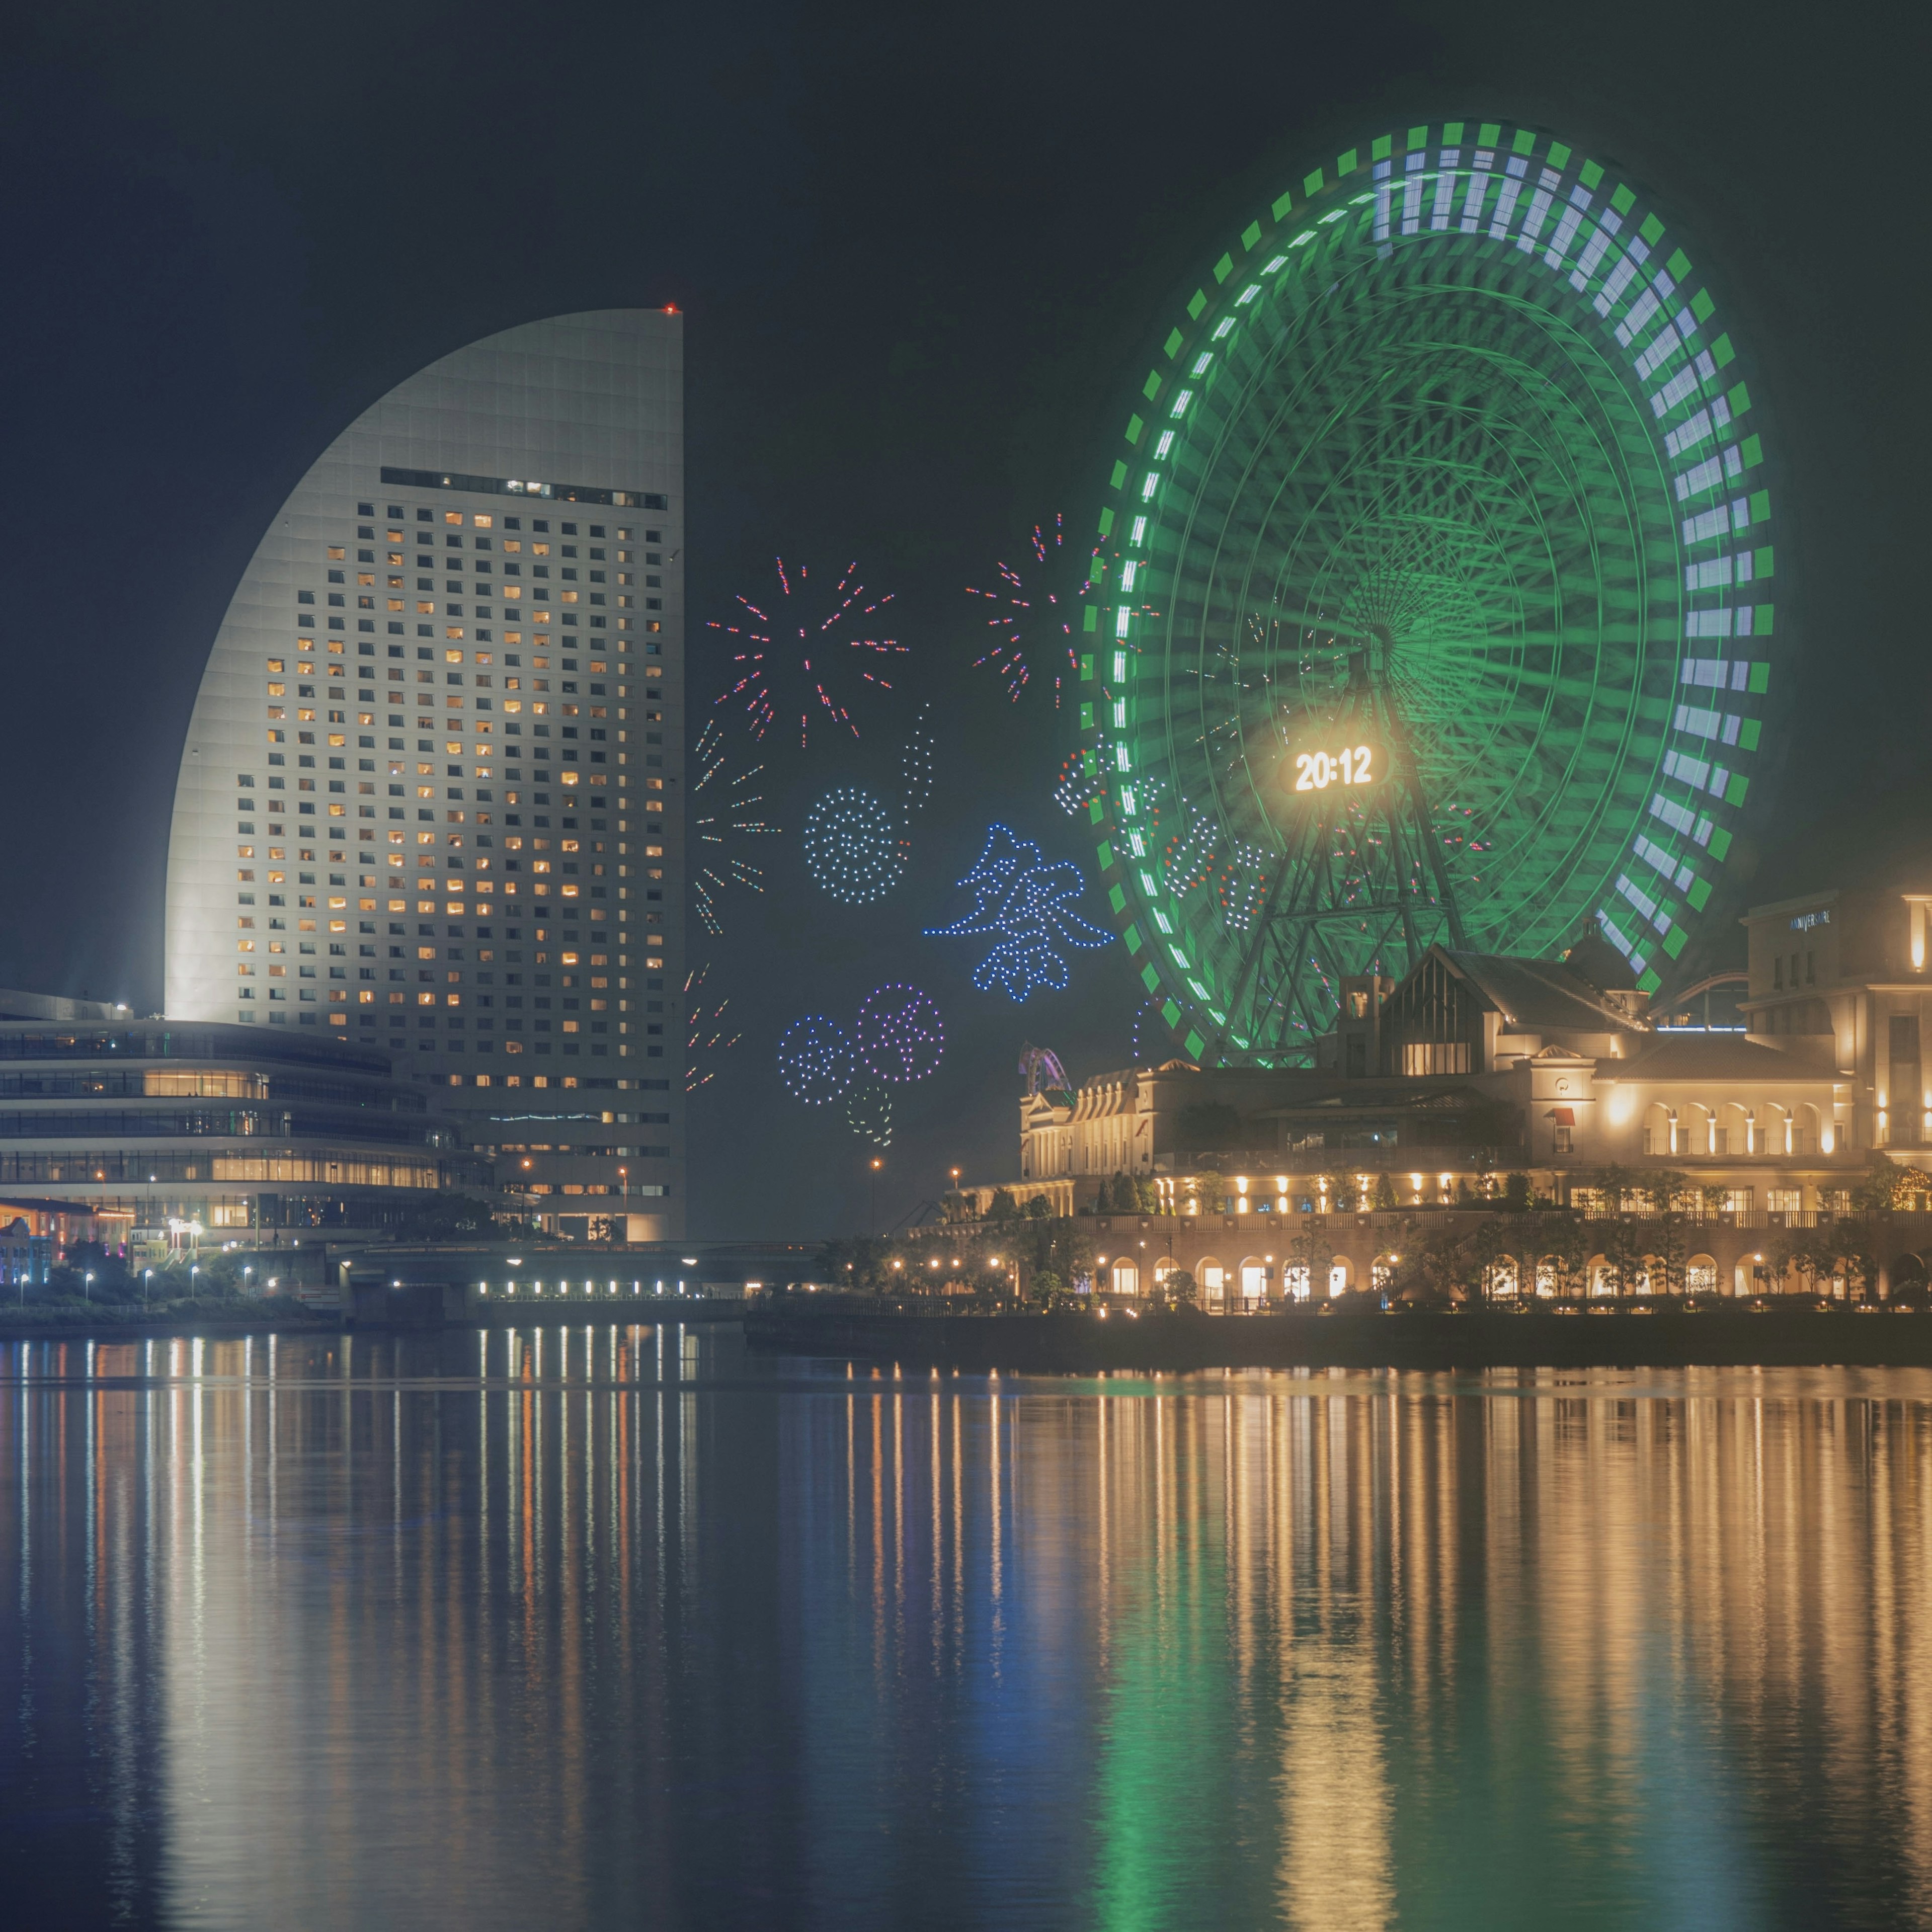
(1243, 1204)
(590, 1287)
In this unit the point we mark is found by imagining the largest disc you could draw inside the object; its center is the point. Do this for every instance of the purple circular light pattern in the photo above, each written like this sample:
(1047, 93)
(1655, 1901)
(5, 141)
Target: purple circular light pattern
(815, 1060)
(901, 1036)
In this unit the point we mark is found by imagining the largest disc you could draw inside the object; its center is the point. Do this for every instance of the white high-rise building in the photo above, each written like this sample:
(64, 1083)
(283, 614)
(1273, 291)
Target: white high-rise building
(431, 798)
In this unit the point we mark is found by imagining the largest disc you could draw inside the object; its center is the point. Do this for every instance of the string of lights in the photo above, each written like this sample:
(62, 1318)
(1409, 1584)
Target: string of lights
(899, 1033)
(815, 1060)
(1025, 904)
(852, 848)
(791, 662)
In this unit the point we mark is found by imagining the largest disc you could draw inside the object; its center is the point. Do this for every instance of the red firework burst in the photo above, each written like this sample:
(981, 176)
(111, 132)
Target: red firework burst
(791, 660)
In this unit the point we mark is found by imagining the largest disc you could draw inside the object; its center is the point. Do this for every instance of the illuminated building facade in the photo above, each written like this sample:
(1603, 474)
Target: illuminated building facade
(431, 802)
(147, 1125)
(1433, 1090)
(1842, 979)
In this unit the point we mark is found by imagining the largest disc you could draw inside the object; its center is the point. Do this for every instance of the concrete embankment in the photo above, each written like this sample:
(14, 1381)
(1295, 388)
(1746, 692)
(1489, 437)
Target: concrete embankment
(1782, 1336)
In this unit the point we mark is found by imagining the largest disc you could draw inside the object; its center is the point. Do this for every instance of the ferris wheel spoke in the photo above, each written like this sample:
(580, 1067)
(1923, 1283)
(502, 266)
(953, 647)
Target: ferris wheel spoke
(1443, 496)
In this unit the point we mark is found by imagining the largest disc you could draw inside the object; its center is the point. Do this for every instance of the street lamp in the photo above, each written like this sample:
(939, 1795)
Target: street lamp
(876, 1164)
(87, 1285)
(147, 1284)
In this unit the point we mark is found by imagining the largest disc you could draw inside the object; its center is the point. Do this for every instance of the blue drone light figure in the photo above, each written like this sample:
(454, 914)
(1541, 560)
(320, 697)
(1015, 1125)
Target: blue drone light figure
(1025, 902)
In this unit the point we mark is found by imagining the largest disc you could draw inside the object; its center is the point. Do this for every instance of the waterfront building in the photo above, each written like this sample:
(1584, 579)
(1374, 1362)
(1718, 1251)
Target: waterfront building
(431, 802)
(1433, 1091)
(1841, 979)
(1472, 1067)
(136, 1133)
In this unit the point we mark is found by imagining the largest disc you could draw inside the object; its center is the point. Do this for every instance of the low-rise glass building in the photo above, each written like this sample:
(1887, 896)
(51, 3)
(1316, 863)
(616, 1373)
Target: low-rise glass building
(150, 1122)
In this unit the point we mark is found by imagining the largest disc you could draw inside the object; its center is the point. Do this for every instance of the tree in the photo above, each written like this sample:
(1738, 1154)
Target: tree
(1432, 1264)
(444, 1218)
(1807, 1252)
(1669, 1244)
(1384, 1192)
(1177, 1288)
(1037, 1209)
(1624, 1254)
(1004, 1207)
(1671, 1191)
(1888, 1188)
(1516, 1193)
(1566, 1244)
(1312, 1250)
(1857, 1243)
(1211, 1189)
(1611, 1183)
(1146, 1196)
(1486, 1246)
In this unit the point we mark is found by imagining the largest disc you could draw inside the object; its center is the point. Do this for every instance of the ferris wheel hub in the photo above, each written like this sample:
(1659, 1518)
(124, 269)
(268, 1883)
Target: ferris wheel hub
(1436, 530)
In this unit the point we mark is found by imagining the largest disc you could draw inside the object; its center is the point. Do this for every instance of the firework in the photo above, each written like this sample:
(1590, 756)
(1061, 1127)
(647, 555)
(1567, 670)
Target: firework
(733, 816)
(705, 1031)
(868, 1112)
(1033, 612)
(915, 766)
(792, 659)
(852, 848)
(815, 1060)
(899, 1034)
(1025, 904)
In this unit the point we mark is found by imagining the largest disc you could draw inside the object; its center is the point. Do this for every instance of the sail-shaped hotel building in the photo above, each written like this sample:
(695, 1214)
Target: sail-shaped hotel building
(431, 797)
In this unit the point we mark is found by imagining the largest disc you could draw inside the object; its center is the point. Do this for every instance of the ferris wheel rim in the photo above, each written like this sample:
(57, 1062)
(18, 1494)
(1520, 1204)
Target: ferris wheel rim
(1591, 238)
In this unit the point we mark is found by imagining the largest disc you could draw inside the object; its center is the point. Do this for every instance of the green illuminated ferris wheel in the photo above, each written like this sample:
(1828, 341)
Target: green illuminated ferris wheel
(1436, 602)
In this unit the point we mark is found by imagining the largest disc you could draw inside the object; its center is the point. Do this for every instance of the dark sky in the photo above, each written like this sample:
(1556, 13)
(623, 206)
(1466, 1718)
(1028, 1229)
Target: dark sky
(920, 250)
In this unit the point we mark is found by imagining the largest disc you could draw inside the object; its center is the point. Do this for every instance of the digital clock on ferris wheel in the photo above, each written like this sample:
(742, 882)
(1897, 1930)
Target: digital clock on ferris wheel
(1316, 771)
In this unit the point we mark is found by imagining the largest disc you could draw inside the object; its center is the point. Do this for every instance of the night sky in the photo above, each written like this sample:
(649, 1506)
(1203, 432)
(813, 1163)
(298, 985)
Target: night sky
(921, 252)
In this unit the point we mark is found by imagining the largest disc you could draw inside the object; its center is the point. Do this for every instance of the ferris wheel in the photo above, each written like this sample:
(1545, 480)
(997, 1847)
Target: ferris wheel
(1435, 595)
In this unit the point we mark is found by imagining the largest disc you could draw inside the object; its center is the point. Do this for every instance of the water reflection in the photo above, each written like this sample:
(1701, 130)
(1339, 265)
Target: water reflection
(574, 1626)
